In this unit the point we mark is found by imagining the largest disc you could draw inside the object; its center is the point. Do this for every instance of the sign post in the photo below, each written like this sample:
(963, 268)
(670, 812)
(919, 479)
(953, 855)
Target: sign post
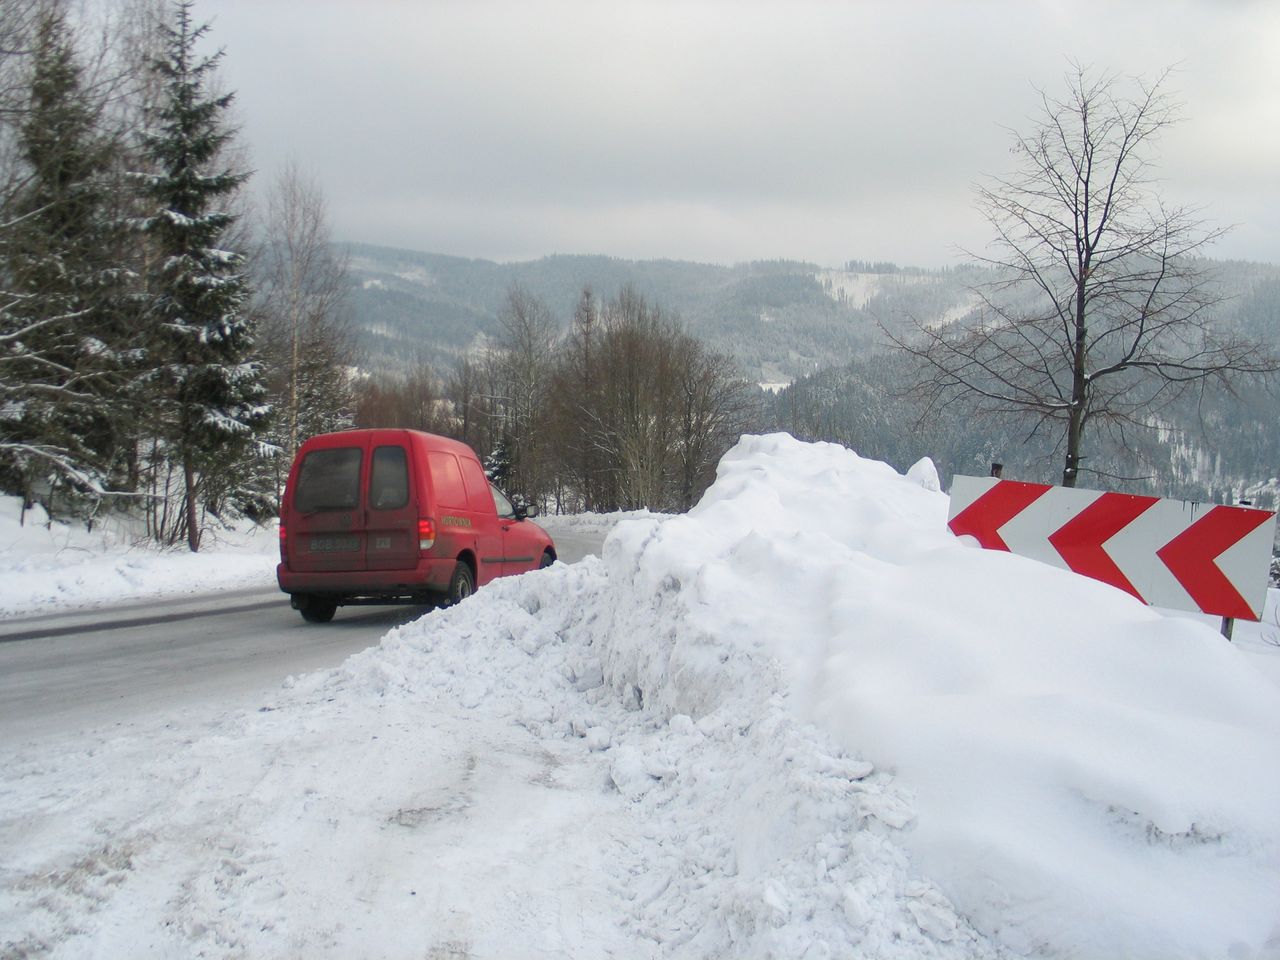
(1182, 554)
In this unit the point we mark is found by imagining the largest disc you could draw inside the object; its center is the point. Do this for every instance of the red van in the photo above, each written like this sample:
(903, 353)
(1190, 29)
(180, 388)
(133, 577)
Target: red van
(396, 516)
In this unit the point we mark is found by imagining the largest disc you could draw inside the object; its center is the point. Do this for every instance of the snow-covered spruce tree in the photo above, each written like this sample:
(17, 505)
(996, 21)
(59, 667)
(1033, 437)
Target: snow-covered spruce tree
(63, 339)
(497, 464)
(208, 396)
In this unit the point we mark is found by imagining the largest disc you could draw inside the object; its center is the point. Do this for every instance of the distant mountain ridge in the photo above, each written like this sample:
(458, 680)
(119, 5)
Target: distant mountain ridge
(818, 329)
(779, 319)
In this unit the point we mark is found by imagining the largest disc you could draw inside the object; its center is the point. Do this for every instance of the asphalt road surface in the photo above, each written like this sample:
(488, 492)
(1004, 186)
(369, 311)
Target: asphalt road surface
(203, 655)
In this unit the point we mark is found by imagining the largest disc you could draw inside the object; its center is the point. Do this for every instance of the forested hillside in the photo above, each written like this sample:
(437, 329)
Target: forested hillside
(779, 319)
(820, 332)
(1214, 443)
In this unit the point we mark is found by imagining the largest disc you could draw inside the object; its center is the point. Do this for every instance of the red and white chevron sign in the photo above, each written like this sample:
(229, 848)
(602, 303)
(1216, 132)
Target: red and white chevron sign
(1169, 553)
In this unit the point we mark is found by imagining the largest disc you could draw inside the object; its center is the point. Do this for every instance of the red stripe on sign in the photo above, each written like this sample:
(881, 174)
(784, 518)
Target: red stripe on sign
(985, 516)
(1191, 554)
(1079, 541)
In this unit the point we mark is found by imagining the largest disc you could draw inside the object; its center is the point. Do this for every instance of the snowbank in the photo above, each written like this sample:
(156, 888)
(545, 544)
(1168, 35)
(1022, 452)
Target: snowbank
(801, 721)
(590, 523)
(50, 566)
(1089, 777)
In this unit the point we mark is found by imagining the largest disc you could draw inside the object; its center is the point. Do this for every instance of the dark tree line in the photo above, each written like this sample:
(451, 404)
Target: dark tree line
(622, 410)
(641, 411)
(145, 338)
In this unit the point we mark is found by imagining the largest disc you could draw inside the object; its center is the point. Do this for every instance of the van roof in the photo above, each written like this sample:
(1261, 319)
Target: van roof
(420, 438)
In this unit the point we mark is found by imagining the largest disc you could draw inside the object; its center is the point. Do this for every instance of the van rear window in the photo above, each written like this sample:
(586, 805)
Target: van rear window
(389, 479)
(329, 480)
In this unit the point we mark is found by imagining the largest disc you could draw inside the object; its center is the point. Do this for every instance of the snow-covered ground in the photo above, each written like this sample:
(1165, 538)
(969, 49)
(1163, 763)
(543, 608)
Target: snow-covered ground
(801, 721)
(45, 567)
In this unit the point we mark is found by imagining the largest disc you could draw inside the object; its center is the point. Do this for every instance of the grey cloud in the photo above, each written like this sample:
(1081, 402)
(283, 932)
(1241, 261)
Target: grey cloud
(723, 130)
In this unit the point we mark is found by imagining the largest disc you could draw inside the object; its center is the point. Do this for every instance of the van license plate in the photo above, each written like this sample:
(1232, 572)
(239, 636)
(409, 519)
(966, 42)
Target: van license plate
(334, 544)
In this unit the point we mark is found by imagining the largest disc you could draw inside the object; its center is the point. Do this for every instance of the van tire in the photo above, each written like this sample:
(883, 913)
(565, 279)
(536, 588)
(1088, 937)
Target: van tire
(461, 585)
(317, 610)
(546, 561)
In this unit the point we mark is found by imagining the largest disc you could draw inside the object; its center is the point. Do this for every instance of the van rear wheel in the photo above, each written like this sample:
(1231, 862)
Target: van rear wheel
(317, 609)
(461, 585)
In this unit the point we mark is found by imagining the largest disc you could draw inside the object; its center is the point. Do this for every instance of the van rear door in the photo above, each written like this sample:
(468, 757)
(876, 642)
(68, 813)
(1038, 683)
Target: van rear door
(355, 505)
(326, 522)
(392, 504)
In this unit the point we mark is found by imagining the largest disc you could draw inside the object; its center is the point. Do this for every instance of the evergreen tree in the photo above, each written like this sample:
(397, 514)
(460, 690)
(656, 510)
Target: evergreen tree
(209, 395)
(62, 337)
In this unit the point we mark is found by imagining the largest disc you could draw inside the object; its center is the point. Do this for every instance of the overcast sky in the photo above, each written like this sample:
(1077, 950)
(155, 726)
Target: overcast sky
(725, 131)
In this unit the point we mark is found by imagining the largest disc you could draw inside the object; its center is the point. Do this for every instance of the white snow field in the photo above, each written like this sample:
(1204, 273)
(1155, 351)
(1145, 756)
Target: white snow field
(801, 721)
(46, 567)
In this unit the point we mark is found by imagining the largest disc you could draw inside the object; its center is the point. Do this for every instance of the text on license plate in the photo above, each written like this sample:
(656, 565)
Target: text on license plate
(333, 544)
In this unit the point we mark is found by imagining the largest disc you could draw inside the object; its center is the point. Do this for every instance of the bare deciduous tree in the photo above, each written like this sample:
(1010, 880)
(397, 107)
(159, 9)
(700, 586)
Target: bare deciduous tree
(524, 367)
(304, 325)
(573, 398)
(17, 36)
(638, 399)
(640, 411)
(1101, 315)
(414, 400)
(715, 407)
(464, 391)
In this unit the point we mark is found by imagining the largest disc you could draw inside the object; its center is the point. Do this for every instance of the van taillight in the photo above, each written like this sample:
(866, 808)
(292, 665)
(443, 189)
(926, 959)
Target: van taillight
(284, 543)
(426, 533)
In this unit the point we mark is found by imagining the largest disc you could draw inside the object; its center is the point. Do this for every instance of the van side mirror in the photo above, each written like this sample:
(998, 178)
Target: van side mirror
(526, 510)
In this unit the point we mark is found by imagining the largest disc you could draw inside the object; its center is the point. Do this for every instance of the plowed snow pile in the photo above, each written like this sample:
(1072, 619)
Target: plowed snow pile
(801, 721)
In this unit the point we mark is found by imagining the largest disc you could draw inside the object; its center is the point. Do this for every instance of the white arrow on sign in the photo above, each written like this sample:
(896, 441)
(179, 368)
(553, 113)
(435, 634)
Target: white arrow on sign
(1171, 553)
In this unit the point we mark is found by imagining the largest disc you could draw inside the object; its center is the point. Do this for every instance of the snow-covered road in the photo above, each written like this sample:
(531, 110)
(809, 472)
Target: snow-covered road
(166, 658)
(193, 655)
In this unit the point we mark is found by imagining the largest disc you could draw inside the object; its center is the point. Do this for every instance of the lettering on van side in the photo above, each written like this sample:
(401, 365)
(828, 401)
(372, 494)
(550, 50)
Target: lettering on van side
(455, 521)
